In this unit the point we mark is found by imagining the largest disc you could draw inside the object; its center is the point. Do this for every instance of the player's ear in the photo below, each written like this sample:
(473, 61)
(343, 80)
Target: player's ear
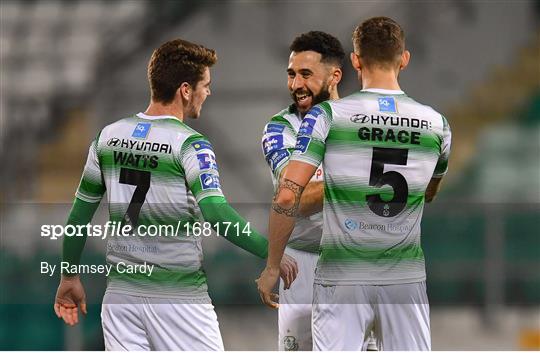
(355, 61)
(405, 57)
(184, 91)
(336, 76)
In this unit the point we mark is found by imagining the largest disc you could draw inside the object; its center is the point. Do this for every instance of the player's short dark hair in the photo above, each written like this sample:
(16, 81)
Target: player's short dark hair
(323, 43)
(379, 41)
(174, 63)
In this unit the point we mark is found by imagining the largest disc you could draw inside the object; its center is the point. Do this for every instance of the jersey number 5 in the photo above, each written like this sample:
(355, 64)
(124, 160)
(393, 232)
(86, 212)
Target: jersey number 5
(141, 179)
(378, 178)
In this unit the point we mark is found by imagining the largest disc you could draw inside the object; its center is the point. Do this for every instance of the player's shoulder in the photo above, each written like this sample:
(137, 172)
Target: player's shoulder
(120, 123)
(352, 101)
(420, 109)
(137, 127)
(280, 121)
(142, 124)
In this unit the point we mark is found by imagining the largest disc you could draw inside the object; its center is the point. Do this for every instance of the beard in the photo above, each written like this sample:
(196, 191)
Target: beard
(323, 95)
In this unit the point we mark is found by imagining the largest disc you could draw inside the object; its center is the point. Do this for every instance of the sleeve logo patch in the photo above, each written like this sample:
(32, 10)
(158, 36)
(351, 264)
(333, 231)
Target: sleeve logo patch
(272, 143)
(200, 145)
(277, 128)
(141, 130)
(207, 161)
(210, 181)
(387, 104)
(276, 158)
(306, 128)
(302, 143)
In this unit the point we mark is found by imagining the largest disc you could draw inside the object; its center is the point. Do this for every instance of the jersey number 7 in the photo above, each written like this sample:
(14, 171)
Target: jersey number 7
(141, 179)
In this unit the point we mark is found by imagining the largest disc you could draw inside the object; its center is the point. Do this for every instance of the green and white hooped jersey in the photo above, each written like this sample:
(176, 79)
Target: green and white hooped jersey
(278, 142)
(155, 170)
(380, 149)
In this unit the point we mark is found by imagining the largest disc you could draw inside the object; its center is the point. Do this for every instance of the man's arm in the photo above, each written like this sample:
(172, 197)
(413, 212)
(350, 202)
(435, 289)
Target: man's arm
(225, 220)
(442, 163)
(433, 188)
(285, 208)
(307, 156)
(70, 294)
(312, 198)
(278, 143)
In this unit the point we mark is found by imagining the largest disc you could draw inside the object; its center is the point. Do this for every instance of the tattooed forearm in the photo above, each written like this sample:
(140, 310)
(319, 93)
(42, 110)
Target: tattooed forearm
(296, 190)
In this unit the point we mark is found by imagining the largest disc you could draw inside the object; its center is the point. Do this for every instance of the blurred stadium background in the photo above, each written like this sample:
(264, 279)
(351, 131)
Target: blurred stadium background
(70, 67)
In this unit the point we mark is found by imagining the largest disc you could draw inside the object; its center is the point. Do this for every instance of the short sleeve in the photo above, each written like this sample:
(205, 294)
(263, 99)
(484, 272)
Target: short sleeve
(442, 163)
(278, 143)
(91, 187)
(311, 141)
(201, 170)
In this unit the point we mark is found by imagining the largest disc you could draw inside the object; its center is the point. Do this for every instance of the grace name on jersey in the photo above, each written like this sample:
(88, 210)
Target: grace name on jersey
(121, 268)
(378, 134)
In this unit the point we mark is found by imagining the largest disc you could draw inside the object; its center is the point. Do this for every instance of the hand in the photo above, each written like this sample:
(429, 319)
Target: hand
(265, 285)
(288, 270)
(69, 296)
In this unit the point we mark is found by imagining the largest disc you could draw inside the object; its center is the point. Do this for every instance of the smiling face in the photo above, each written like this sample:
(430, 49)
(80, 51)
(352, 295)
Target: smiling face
(198, 96)
(309, 79)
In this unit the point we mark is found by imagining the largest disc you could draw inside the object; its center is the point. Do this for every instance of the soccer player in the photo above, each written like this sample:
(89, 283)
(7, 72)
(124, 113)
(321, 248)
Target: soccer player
(314, 72)
(384, 156)
(157, 171)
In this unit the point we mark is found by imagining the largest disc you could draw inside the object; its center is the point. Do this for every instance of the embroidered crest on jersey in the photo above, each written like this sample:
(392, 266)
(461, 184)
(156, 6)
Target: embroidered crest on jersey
(207, 161)
(272, 143)
(289, 343)
(209, 181)
(387, 104)
(276, 128)
(200, 145)
(141, 130)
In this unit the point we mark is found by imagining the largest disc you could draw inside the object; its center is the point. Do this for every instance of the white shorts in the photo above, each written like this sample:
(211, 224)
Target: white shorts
(343, 316)
(133, 323)
(295, 304)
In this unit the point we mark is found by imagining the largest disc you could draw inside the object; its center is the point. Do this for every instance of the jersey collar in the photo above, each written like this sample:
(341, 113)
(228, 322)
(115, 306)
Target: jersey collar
(155, 117)
(383, 91)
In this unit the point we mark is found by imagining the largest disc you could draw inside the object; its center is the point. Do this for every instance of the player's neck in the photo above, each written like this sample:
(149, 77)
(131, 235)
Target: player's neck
(159, 109)
(381, 79)
(334, 93)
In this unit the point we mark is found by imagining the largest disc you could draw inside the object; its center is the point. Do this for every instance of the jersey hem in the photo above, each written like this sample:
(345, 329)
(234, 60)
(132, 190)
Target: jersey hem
(366, 282)
(311, 250)
(204, 297)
